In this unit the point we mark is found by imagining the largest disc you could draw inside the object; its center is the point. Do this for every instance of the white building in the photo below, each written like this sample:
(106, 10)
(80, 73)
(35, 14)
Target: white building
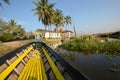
(40, 33)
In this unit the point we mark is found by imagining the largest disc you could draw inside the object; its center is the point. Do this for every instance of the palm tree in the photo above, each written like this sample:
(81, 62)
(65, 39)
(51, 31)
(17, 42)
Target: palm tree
(11, 25)
(44, 10)
(67, 20)
(19, 32)
(58, 18)
(12, 22)
(2, 25)
(6, 1)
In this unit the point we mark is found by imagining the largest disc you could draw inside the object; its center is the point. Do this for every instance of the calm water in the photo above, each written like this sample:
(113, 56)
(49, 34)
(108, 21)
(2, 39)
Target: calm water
(94, 66)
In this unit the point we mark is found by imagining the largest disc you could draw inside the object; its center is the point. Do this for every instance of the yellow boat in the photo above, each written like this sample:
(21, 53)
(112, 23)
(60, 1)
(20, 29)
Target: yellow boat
(36, 61)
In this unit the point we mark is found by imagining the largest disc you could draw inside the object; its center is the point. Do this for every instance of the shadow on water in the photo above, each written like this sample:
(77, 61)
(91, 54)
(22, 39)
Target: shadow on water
(94, 66)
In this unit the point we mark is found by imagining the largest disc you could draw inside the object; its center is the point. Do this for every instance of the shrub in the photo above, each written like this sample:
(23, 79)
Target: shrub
(6, 37)
(93, 46)
(32, 37)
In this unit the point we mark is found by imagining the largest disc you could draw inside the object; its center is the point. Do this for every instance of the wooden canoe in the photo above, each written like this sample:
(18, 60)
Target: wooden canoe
(36, 61)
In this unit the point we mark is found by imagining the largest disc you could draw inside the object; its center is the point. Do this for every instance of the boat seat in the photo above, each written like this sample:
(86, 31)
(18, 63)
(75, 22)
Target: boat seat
(12, 66)
(34, 69)
(54, 68)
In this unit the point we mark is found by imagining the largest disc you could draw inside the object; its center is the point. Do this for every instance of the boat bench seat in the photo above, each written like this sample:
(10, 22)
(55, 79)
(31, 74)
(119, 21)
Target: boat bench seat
(12, 66)
(34, 69)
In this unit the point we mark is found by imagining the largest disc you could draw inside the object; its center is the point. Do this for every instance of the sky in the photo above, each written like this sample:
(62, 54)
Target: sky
(89, 16)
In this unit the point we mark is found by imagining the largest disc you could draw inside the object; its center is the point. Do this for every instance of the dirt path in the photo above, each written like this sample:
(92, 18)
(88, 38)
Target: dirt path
(10, 46)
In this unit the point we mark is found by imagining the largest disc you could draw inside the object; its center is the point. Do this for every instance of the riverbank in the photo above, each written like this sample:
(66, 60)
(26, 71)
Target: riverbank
(92, 45)
(10, 46)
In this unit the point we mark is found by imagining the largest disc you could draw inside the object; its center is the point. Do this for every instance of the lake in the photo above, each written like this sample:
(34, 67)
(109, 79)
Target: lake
(94, 66)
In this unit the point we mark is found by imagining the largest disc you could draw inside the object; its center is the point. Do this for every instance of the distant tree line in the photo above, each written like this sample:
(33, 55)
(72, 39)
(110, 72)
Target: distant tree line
(11, 31)
(115, 34)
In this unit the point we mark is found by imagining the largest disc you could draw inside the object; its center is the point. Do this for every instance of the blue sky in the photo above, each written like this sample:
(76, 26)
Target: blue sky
(90, 16)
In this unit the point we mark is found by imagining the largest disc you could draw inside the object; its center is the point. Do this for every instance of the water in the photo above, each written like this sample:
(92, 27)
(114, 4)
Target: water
(94, 66)
(55, 45)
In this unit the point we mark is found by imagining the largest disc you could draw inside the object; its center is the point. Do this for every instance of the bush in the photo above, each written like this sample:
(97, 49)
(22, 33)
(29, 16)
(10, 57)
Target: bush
(93, 46)
(6, 37)
(31, 37)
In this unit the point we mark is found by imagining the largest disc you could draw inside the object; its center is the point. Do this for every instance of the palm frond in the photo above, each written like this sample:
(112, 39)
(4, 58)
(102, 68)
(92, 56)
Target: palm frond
(7, 1)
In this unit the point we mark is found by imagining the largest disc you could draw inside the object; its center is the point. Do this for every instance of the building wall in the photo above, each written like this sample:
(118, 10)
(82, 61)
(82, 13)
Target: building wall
(53, 34)
(67, 35)
(39, 35)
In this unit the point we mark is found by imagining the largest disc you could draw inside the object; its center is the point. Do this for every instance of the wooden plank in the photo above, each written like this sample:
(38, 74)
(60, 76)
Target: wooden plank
(22, 59)
(40, 71)
(43, 70)
(7, 71)
(25, 71)
(53, 66)
(34, 68)
(17, 72)
(29, 69)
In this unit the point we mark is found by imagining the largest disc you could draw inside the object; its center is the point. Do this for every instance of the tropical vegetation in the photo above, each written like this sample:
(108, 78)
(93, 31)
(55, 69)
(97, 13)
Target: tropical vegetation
(6, 1)
(11, 30)
(91, 45)
(50, 16)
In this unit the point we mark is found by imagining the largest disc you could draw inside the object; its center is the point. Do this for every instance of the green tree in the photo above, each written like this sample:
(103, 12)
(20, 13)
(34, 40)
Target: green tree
(11, 30)
(19, 32)
(44, 10)
(12, 22)
(6, 37)
(68, 20)
(58, 18)
(6, 1)
(2, 25)
(11, 26)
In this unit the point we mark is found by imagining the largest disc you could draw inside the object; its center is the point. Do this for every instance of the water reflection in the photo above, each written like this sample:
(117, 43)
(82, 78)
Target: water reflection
(94, 66)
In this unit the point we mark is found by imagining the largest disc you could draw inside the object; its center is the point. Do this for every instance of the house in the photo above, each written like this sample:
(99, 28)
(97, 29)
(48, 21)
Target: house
(67, 34)
(40, 33)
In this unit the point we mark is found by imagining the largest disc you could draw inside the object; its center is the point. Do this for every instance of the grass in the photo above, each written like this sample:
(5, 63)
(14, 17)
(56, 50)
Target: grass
(91, 45)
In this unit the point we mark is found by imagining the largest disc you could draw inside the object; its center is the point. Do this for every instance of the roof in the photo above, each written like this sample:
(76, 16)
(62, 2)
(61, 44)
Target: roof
(67, 31)
(43, 30)
(38, 30)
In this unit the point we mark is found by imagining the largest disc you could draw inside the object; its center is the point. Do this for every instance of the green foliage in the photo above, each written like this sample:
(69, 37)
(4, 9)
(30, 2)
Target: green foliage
(48, 15)
(43, 10)
(6, 1)
(11, 30)
(85, 44)
(6, 37)
(31, 37)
